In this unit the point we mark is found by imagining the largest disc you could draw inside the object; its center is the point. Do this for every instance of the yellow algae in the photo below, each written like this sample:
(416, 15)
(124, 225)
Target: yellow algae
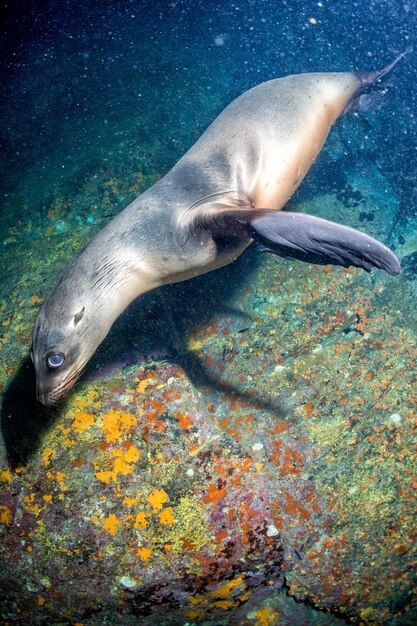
(123, 463)
(141, 520)
(129, 501)
(225, 590)
(6, 475)
(197, 600)
(105, 477)
(223, 597)
(125, 460)
(6, 516)
(110, 524)
(84, 399)
(34, 509)
(223, 604)
(195, 613)
(166, 517)
(329, 432)
(47, 455)
(157, 499)
(40, 601)
(266, 617)
(47, 498)
(82, 421)
(368, 614)
(29, 504)
(80, 403)
(144, 553)
(65, 431)
(190, 526)
(244, 597)
(194, 344)
(142, 386)
(116, 424)
(60, 479)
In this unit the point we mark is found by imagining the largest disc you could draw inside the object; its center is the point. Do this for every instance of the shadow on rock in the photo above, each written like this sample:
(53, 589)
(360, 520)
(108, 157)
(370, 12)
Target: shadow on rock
(409, 265)
(155, 327)
(23, 418)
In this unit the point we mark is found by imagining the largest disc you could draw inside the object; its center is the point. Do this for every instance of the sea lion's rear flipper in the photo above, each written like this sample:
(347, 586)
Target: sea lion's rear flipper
(315, 240)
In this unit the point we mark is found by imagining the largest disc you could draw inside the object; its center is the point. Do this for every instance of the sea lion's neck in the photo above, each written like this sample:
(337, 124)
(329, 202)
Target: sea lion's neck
(113, 273)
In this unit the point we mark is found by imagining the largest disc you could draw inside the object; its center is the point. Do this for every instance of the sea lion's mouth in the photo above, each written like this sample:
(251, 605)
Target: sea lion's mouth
(51, 395)
(48, 397)
(48, 400)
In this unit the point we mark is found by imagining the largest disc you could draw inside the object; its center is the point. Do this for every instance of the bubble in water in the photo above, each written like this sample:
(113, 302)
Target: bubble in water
(221, 39)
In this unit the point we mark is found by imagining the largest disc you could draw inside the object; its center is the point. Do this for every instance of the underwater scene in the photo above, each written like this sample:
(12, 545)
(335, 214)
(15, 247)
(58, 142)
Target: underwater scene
(235, 446)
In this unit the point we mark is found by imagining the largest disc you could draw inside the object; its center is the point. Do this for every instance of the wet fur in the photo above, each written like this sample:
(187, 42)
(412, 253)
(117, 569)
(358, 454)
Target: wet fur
(247, 164)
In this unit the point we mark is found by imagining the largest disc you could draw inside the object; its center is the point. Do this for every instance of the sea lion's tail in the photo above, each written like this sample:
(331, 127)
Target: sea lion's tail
(367, 78)
(365, 101)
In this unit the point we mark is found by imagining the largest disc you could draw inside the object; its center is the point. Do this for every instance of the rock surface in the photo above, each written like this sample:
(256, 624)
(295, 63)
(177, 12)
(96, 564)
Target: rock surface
(248, 445)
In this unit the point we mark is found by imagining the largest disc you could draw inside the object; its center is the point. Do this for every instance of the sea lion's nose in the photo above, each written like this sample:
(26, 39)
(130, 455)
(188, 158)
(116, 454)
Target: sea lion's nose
(44, 393)
(40, 394)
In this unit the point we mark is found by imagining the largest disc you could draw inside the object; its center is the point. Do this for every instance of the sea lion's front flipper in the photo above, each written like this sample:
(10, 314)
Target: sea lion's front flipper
(315, 240)
(224, 212)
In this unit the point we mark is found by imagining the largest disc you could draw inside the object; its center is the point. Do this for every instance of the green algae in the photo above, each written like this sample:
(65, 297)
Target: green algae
(329, 432)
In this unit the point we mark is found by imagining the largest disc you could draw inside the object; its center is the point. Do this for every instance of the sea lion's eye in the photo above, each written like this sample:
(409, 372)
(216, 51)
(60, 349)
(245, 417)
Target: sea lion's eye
(55, 360)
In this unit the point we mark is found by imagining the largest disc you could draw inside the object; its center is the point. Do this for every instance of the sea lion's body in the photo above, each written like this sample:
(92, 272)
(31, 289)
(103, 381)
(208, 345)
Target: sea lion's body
(252, 151)
(223, 193)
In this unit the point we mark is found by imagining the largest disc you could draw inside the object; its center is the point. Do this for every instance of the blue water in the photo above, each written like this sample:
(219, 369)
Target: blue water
(132, 85)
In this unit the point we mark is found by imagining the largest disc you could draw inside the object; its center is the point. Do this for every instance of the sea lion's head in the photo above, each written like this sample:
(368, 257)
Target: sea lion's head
(68, 329)
(75, 318)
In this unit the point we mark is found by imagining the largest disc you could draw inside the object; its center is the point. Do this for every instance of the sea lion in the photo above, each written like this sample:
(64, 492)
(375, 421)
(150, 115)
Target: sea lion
(225, 192)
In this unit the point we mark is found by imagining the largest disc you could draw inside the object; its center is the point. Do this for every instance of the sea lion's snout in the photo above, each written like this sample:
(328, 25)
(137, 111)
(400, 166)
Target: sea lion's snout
(54, 374)
(45, 393)
(59, 346)
(58, 367)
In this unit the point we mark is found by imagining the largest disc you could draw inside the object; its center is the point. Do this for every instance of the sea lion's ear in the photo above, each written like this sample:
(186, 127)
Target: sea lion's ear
(78, 316)
(315, 240)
